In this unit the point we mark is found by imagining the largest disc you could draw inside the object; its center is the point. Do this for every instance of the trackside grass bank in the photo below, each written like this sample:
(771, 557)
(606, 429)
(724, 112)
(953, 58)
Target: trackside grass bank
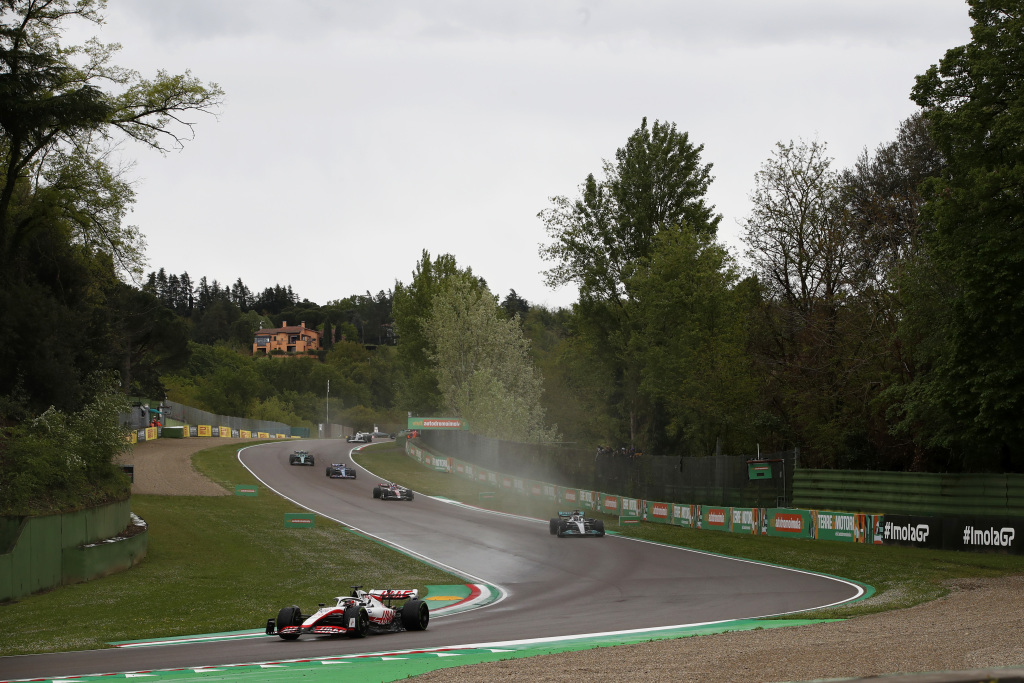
(214, 564)
(901, 577)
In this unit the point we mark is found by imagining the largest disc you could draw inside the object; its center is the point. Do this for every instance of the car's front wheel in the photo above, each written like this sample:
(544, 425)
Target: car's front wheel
(599, 526)
(553, 526)
(376, 492)
(289, 616)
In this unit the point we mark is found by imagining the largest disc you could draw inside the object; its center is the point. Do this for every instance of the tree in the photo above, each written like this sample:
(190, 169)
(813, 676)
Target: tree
(417, 386)
(692, 340)
(970, 394)
(601, 239)
(797, 231)
(657, 181)
(56, 122)
(482, 364)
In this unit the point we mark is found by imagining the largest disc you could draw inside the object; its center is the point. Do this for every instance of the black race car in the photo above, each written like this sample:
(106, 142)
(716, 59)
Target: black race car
(340, 470)
(386, 491)
(301, 458)
(575, 524)
(355, 615)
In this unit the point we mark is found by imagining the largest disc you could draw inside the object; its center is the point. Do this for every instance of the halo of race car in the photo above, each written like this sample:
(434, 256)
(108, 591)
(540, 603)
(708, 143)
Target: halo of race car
(355, 615)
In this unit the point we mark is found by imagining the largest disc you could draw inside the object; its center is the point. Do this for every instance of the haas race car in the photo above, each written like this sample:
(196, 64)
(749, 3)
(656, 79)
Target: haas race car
(386, 491)
(575, 524)
(340, 470)
(355, 615)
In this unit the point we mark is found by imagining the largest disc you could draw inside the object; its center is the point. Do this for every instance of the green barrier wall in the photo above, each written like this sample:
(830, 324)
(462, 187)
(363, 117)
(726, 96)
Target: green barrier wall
(910, 493)
(50, 551)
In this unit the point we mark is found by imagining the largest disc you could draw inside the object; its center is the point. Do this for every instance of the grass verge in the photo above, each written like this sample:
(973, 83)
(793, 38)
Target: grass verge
(901, 577)
(214, 564)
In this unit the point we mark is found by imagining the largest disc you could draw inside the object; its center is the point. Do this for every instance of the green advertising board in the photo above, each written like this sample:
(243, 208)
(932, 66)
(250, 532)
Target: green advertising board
(246, 489)
(789, 522)
(422, 423)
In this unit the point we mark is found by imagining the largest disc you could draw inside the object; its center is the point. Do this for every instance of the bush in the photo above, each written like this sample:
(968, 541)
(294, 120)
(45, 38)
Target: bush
(62, 462)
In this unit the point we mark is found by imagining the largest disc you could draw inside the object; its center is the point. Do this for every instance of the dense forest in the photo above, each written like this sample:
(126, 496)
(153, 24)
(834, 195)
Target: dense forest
(873, 318)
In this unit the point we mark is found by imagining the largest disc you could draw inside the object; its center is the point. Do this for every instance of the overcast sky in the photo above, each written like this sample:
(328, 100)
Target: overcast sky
(356, 134)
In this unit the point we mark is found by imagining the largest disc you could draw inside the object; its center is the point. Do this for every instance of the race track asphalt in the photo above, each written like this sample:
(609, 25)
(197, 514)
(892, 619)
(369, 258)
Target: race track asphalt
(552, 586)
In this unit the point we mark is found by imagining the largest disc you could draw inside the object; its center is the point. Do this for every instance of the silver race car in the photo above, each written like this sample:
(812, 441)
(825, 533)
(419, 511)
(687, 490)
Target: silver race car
(386, 491)
(575, 524)
(355, 615)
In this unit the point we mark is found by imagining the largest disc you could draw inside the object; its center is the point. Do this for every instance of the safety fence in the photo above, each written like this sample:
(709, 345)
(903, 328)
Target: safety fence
(722, 480)
(973, 533)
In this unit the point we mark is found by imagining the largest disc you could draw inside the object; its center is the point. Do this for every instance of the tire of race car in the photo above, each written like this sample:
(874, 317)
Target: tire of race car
(553, 526)
(289, 616)
(376, 492)
(415, 615)
(362, 622)
(409, 496)
(599, 526)
(560, 532)
(312, 461)
(328, 471)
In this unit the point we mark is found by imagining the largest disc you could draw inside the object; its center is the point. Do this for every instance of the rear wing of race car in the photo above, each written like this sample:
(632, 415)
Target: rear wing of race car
(388, 594)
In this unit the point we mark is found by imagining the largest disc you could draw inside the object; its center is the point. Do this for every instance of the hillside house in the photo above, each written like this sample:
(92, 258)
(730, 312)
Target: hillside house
(286, 339)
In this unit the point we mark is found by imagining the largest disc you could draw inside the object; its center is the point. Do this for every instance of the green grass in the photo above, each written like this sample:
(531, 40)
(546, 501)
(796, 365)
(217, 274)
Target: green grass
(214, 564)
(901, 577)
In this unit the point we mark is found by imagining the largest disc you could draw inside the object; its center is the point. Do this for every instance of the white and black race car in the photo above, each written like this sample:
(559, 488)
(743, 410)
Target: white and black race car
(360, 437)
(340, 470)
(355, 615)
(575, 524)
(386, 491)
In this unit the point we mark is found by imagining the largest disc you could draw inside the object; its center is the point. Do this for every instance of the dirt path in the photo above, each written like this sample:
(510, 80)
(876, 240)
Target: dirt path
(979, 625)
(164, 467)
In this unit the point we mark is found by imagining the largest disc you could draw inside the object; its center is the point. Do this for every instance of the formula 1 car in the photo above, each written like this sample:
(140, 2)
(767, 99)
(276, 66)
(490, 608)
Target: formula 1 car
(575, 524)
(355, 615)
(301, 458)
(340, 470)
(386, 491)
(360, 437)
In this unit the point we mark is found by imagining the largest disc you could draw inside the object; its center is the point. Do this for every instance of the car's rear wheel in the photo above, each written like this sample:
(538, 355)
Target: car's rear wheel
(553, 525)
(357, 621)
(415, 615)
(289, 616)
(376, 492)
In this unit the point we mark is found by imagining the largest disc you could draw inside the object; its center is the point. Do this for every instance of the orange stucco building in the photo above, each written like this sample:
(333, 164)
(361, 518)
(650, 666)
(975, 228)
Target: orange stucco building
(286, 339)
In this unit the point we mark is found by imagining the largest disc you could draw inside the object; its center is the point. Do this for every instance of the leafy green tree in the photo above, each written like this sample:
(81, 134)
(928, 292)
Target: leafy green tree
(417, 388)
(602, 238)
(482, 362)
(970, 395)
(56, 121)
(693, 343)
